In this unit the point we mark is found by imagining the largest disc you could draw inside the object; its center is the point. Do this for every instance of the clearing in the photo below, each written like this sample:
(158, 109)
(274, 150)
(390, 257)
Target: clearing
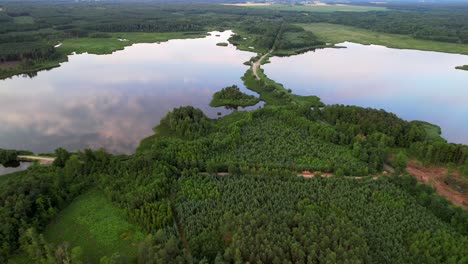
(331, 33)
(436, 177)
(97, 226)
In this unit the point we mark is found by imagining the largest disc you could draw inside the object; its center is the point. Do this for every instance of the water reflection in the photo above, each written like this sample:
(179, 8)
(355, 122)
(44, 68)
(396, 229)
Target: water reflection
(416, 85)
(14, 167)
(113, 101)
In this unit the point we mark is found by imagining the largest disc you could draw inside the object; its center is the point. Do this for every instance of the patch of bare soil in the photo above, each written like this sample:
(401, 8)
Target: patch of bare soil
(308, 174)
(436, 177)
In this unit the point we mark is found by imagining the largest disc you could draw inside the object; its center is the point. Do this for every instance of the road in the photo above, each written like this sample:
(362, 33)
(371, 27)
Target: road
(256, 65)
(42, 160)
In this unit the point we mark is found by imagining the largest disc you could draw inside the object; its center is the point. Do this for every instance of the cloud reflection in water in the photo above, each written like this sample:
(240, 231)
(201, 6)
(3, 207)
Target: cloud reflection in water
(113, 101)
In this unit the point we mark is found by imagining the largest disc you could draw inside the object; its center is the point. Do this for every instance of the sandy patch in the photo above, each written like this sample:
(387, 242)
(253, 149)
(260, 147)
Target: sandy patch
(435, 176)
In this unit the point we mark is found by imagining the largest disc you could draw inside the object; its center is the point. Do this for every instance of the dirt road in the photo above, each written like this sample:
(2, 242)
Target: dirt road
(42, 160)
(256, 65)
(435, 176)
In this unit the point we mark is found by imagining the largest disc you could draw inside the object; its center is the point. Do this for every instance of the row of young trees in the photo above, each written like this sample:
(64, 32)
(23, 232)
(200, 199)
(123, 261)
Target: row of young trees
(272, 219)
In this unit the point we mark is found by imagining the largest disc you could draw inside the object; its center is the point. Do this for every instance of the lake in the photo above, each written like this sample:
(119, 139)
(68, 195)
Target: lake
(19, 166)
(415, 85)
(114, 101)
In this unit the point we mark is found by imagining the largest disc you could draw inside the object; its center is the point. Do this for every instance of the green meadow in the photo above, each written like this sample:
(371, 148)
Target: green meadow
(94, 224)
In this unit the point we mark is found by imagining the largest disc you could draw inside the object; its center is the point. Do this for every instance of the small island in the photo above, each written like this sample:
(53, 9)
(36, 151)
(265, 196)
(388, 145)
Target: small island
(231, 97)
(464, 67)
(222, 44)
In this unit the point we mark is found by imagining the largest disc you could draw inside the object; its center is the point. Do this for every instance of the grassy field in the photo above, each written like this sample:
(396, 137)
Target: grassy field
(23, 20)
(320, 8)
(109, 45)
(332, 33)
(95, 225)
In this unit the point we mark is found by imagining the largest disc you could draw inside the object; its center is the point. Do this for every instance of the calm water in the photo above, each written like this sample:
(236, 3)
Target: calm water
(20, 166)
(114, 101)
(415, 85)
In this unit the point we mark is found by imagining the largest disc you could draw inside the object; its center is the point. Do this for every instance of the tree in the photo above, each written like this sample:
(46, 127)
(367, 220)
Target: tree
(400, 162)
(62, 156)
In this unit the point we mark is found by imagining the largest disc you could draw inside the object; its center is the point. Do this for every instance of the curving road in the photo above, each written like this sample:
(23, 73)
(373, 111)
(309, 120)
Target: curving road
(256, 65)
(42, 160)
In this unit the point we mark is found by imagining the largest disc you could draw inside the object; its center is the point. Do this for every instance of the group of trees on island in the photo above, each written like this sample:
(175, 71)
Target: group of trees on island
(231, 97)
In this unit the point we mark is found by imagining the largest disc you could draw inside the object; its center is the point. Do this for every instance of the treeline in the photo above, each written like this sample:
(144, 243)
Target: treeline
(265, 32)
(352, 121)
(22, 51)
(143, 188)
(292, 37)
(426, 196)
(440, 152)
